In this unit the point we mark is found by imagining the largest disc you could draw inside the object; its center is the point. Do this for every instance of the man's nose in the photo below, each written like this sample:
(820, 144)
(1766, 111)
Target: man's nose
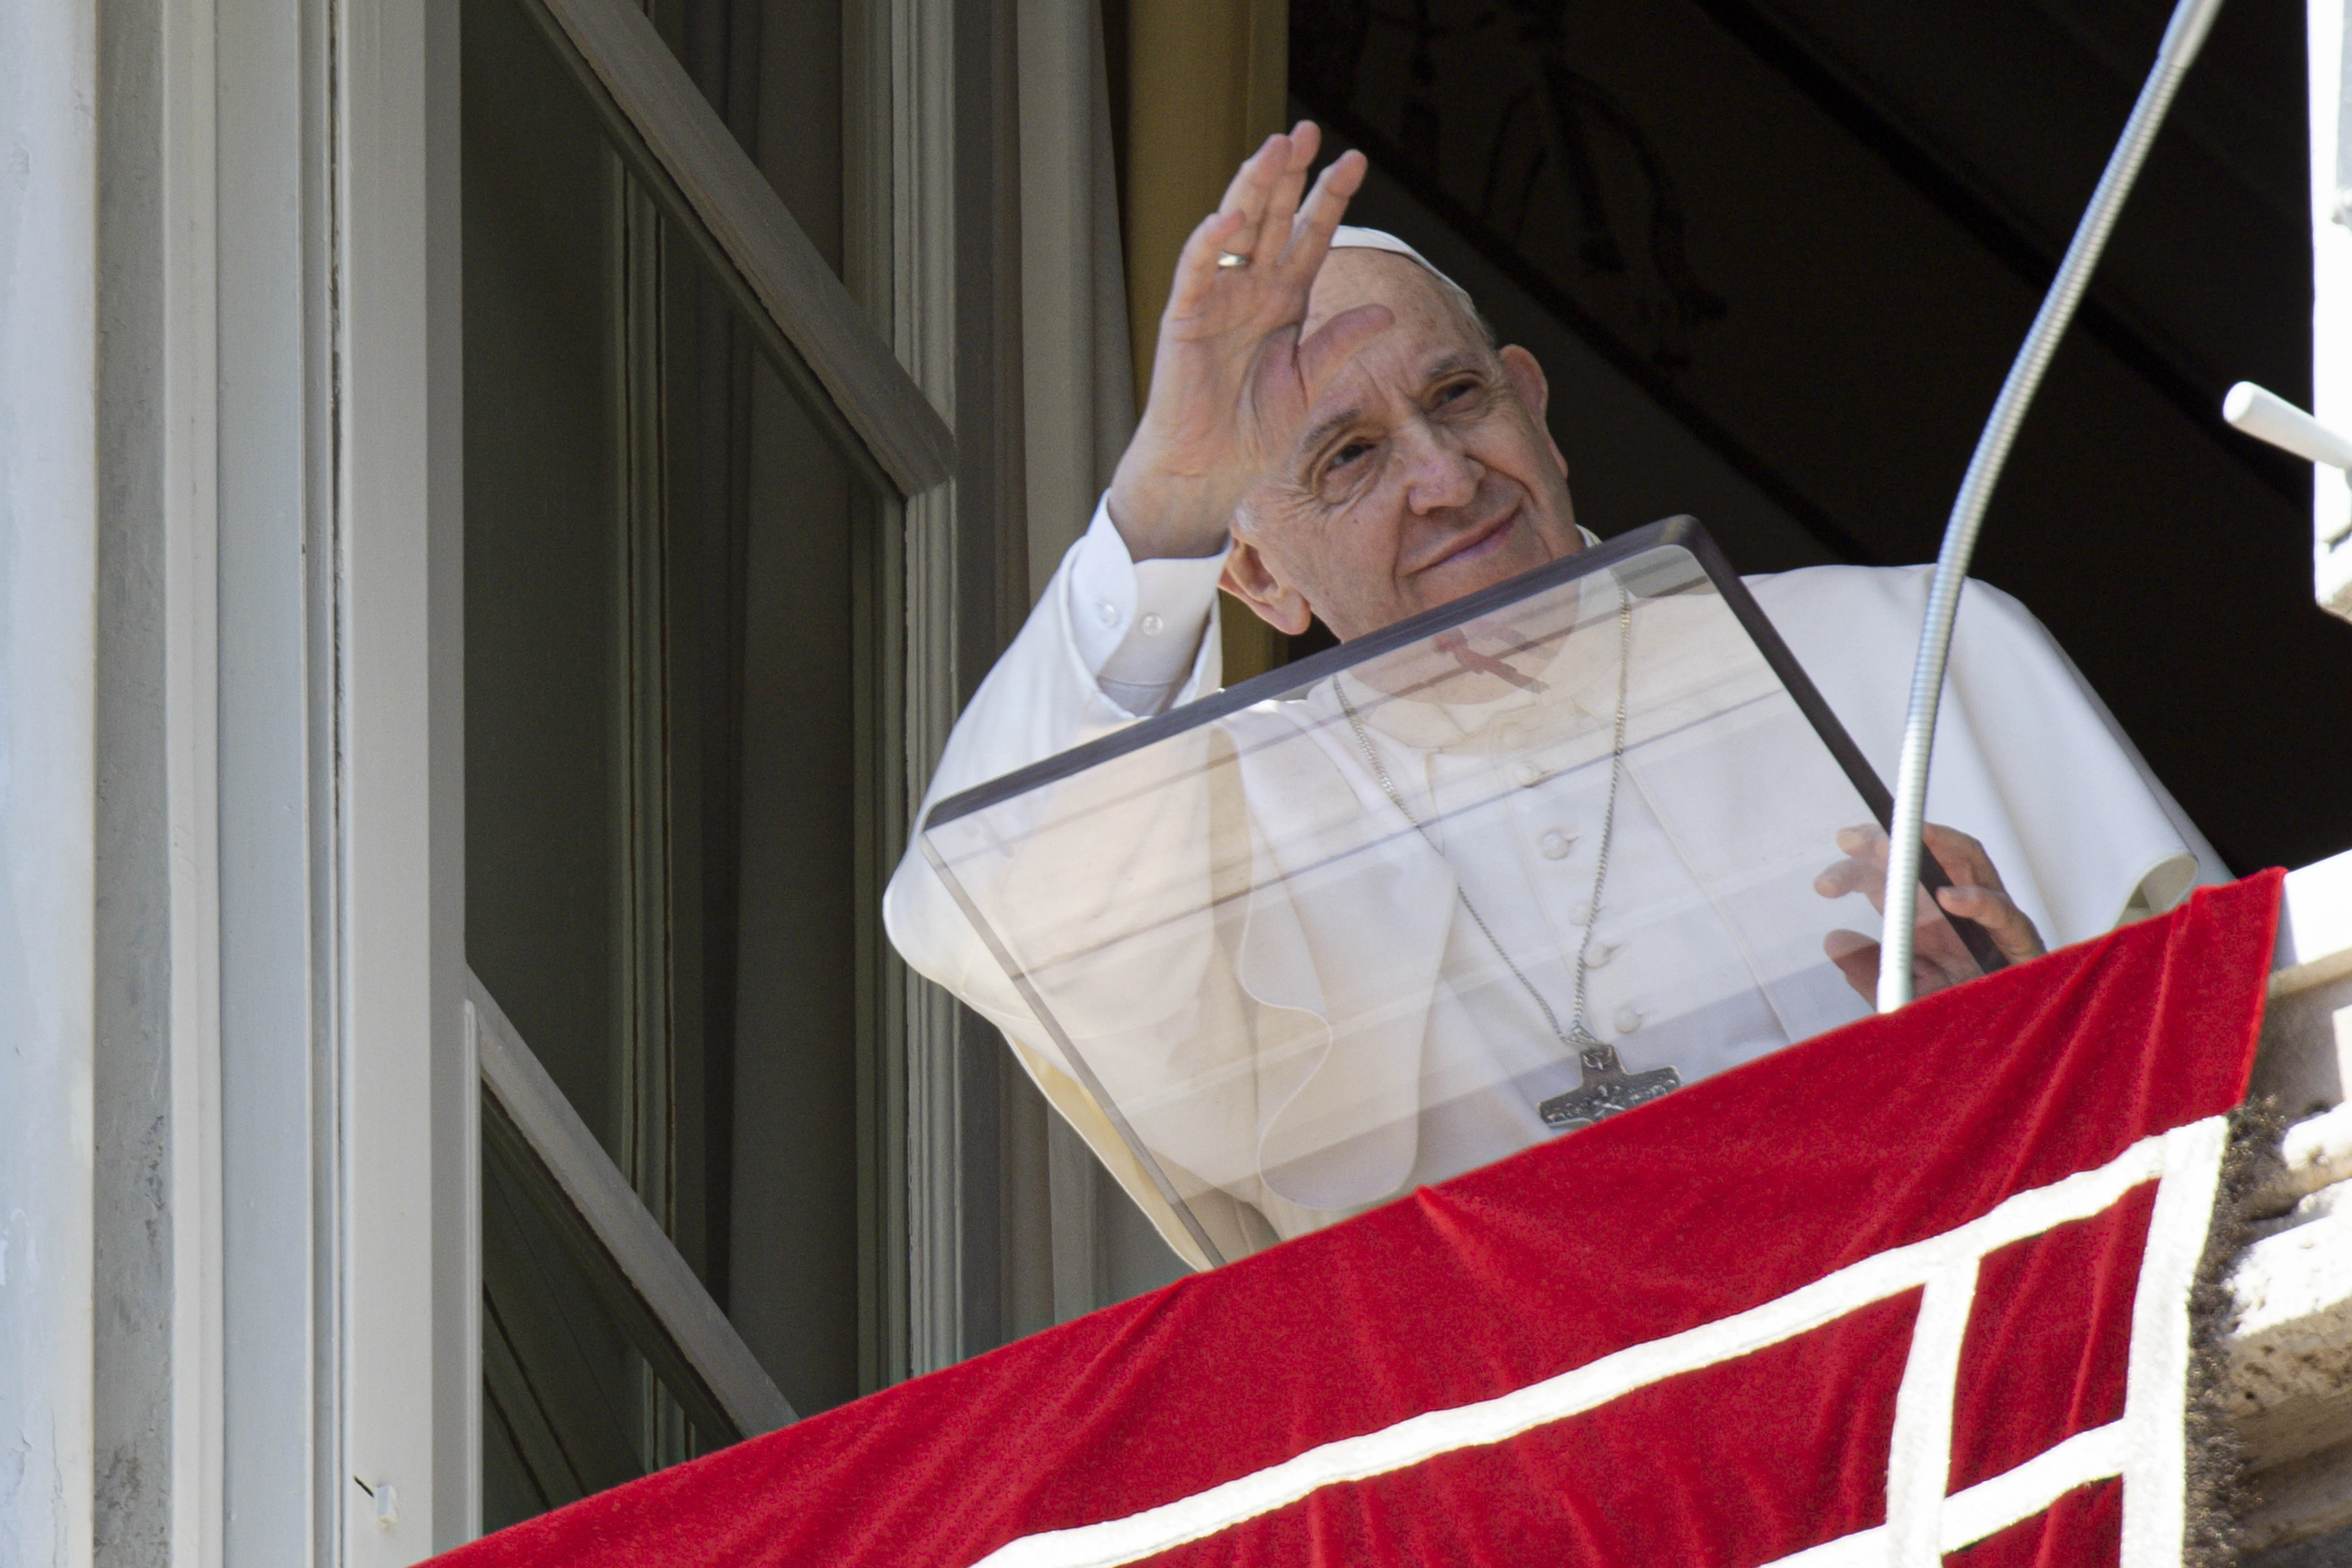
(1440, 474)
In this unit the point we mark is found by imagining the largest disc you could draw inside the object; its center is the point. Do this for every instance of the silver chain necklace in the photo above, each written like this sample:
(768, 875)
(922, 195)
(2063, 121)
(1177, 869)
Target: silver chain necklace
(1607, 1088)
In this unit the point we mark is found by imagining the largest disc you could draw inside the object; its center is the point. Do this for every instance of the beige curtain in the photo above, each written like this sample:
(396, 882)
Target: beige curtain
(1206, 83)
(1078, 410)
(1078, 396)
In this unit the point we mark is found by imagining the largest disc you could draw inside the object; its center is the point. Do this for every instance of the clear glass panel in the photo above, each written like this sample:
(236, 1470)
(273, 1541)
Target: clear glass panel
(1410, 906)
(570, 1405)
(677, 592)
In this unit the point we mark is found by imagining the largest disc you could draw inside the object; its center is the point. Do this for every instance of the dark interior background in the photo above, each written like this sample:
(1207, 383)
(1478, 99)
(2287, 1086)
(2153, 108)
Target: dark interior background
(1776, 255)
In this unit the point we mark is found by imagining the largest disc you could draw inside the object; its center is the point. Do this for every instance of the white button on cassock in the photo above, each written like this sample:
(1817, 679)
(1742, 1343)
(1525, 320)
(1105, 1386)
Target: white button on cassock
(1555, 845)
(1527, 775)
(1597, 954)
(1628, 1020)
(1109, 612)
(1148, 626)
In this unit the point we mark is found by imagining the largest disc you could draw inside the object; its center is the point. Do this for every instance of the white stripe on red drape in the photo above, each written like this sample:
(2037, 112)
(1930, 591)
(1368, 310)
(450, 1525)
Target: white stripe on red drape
(2145, 1446)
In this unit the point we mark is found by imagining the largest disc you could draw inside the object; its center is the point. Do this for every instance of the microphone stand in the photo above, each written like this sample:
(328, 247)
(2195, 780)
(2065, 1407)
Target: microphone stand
(2192, 20)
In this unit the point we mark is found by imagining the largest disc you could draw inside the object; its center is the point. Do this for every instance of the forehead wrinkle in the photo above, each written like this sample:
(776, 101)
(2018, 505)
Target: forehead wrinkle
(1450, 362)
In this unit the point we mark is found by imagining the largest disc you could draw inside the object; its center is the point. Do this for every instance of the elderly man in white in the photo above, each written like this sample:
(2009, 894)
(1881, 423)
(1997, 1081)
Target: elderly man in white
(1331, 433)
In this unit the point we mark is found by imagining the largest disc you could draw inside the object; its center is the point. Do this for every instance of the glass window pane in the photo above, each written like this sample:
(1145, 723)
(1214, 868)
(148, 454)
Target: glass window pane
(676, 587)
(569, 1404)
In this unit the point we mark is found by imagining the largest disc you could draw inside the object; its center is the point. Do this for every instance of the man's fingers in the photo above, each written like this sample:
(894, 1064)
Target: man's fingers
(1939, 958)
(1232, 226)
(1263, 219)
(1964, 859)
(1320, 214)
(1196, 265)
(1253, 184)
(1853, 875)
(1288, 183)
(2010, 930)
(1856, 957)
(1865, 841)
(1307, 138)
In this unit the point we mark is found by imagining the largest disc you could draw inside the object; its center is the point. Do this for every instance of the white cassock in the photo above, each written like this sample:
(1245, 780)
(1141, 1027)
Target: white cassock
(1308, 1129)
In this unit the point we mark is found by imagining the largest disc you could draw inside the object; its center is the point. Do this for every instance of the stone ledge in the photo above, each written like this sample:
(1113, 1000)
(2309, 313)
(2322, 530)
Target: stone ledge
(2289, 1389)
(2314, 1154)
(2331, 1550)
(2304, 1498)
(2289, 1352)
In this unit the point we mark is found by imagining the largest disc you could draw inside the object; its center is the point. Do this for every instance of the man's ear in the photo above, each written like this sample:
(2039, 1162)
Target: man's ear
(1247, 578)
(1526, 378)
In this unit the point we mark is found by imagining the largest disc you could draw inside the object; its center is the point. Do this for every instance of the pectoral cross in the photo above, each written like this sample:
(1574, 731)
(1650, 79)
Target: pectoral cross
(1608, 1087)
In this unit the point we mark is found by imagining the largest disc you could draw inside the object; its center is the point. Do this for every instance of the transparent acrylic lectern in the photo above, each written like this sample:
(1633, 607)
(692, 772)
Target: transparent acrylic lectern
(1333, 933)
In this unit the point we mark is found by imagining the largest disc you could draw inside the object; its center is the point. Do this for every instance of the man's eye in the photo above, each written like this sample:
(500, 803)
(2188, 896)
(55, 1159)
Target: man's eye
(1348, 454)
(1455, 392)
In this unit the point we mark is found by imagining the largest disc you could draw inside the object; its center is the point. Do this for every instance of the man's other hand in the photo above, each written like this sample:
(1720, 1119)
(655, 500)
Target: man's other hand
(1231, 382)
(1939, 958)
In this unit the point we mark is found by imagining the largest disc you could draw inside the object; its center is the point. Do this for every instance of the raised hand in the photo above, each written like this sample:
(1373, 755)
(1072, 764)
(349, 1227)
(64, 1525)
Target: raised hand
(1938, 957)
(1232, 382)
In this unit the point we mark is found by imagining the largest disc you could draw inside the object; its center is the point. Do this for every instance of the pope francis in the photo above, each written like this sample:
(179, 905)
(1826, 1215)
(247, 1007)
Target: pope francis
(1332, 432)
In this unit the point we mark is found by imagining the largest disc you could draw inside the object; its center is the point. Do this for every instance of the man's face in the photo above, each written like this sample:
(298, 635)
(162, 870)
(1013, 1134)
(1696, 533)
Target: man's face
(1423, 472)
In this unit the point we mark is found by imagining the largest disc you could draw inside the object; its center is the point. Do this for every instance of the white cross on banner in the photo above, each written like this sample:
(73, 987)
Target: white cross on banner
(1913, 1293)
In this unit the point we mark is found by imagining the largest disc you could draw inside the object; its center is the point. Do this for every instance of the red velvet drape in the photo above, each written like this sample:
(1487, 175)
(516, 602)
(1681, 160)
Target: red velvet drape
(1724, 1196)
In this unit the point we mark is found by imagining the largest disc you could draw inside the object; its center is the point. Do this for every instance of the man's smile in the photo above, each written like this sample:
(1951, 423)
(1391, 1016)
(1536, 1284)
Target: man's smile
(1471, 545)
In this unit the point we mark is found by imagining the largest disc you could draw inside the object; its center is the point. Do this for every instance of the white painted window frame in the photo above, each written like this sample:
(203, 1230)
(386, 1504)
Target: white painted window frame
(315, 710)
(693, 1347)
(393, 1216)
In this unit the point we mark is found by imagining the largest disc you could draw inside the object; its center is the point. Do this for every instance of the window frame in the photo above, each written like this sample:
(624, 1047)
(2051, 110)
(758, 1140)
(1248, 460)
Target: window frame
(395, 1126)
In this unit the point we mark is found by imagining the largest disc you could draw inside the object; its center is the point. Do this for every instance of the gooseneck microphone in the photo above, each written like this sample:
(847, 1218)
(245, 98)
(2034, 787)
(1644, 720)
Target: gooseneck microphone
(2192, 20)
